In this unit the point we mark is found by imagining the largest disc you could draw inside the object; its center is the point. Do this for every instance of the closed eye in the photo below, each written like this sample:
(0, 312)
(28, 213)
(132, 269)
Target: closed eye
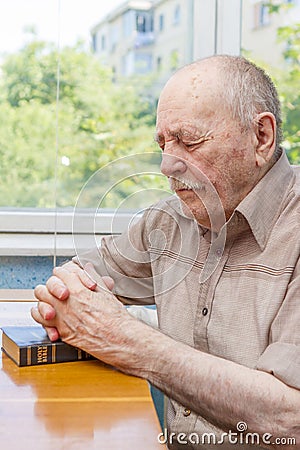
(190, 146)
(160, 141)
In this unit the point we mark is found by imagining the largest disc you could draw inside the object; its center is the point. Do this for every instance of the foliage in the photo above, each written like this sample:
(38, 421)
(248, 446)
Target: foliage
(94, 122)
(288, 79)
(289, 82)
(49, 150)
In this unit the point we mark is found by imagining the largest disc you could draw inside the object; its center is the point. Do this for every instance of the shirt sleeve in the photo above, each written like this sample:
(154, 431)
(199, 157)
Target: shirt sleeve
(282, 356)
(125, 258)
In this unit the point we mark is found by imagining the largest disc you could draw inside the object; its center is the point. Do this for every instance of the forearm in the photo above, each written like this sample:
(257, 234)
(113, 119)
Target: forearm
(221, 391)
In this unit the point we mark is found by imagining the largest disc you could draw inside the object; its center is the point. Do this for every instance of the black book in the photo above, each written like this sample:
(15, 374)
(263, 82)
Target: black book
(30, 345)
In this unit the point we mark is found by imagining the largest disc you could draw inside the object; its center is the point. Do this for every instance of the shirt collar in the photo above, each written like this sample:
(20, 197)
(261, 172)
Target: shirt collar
(262, 206)
(260, 209)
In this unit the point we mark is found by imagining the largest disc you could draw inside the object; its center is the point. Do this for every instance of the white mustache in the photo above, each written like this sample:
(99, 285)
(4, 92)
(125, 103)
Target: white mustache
(177, 184)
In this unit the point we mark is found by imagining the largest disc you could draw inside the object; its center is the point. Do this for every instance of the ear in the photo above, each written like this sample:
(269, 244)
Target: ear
(266, 138)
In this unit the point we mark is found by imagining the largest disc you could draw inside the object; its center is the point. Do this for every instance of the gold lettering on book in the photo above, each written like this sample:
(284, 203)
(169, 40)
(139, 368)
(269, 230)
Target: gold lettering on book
(42, 354)
(53, 352)
(28, 356)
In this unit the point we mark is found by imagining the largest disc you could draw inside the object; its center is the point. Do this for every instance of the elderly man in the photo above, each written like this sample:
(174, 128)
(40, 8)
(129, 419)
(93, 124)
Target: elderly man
(221, 261)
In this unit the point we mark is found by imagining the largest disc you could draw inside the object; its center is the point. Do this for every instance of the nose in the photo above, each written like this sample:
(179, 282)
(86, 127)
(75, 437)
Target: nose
(172, 165)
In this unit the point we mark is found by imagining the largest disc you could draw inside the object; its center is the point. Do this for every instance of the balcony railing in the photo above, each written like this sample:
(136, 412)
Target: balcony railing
(143, 39)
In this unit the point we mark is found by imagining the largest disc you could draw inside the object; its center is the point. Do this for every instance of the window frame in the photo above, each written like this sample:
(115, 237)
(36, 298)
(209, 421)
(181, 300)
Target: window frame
(42, 232)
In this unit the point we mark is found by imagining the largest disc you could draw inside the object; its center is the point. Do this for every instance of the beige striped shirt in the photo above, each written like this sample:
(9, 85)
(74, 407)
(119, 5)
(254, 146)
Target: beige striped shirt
(246, 307)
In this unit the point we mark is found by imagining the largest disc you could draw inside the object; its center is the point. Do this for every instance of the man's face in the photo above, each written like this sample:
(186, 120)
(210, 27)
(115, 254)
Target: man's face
(204, 149)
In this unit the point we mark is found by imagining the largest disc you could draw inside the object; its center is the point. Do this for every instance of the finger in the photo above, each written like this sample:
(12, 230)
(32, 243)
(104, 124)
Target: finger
(71, 280)
(46, 311)
(36, 315)
(57, 288)
(42, 294)
(109, 282)
(101, 281)
(53, 334)
(86, 280)
(51, 331)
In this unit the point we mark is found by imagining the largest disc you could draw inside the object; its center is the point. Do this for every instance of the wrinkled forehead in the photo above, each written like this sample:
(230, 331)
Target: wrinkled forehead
(191, 86)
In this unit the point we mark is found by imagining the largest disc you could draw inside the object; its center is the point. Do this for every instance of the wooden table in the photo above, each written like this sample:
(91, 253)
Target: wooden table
(72, 406)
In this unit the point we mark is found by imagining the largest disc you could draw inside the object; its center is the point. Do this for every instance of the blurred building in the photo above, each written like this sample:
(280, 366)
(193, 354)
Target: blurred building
(158, 36)
(259, 29)
(124, 39)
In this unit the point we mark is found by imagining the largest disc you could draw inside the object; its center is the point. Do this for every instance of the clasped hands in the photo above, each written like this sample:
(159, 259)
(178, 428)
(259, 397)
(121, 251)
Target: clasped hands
(78, 306)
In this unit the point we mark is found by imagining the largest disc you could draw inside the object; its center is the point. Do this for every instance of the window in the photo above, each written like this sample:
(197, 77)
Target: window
(144, 22)
(261, 15)
(161, 22)
(103, 42)
(143, 63)
(48, 151)
(158, 63)
(101, 115)
(177, 14)
(94, 42)
(140, 23)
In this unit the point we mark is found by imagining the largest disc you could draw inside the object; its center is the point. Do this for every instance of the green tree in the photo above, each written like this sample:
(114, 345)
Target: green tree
(94, 122)
(288, 80)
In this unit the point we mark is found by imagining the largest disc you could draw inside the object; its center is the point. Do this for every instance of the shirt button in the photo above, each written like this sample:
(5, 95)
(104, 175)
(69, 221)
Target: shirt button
(186, 412)
(204, 311)
(219, 252)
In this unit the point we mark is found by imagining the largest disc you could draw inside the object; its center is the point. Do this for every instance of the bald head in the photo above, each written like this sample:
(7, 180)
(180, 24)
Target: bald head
(191, 81)
(237, 85)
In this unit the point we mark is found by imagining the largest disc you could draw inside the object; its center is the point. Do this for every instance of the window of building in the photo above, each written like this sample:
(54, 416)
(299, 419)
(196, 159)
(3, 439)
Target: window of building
(103, 42)
(87, 120)
(144, 22)
(177, 15)
(94, 42)
(161, 22)
(140, 23)
(143, 63)
(261, 15)
(158, 63)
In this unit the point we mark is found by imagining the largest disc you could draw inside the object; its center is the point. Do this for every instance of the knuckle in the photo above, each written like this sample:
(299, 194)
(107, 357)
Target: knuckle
(57, 270)
(38, 290)
(51, 281)
(70, 267)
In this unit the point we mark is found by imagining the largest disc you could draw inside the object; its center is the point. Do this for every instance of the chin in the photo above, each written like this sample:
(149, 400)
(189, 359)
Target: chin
(194, 209)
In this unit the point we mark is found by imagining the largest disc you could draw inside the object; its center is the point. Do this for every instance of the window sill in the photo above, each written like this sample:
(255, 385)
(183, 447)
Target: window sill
(24, 295)
(36, 232)
(15, 244)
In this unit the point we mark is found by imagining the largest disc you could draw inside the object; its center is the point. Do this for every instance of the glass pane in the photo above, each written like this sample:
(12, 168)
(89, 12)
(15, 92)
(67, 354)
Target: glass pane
(50, 150)
(271, 38)
(111, 70)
